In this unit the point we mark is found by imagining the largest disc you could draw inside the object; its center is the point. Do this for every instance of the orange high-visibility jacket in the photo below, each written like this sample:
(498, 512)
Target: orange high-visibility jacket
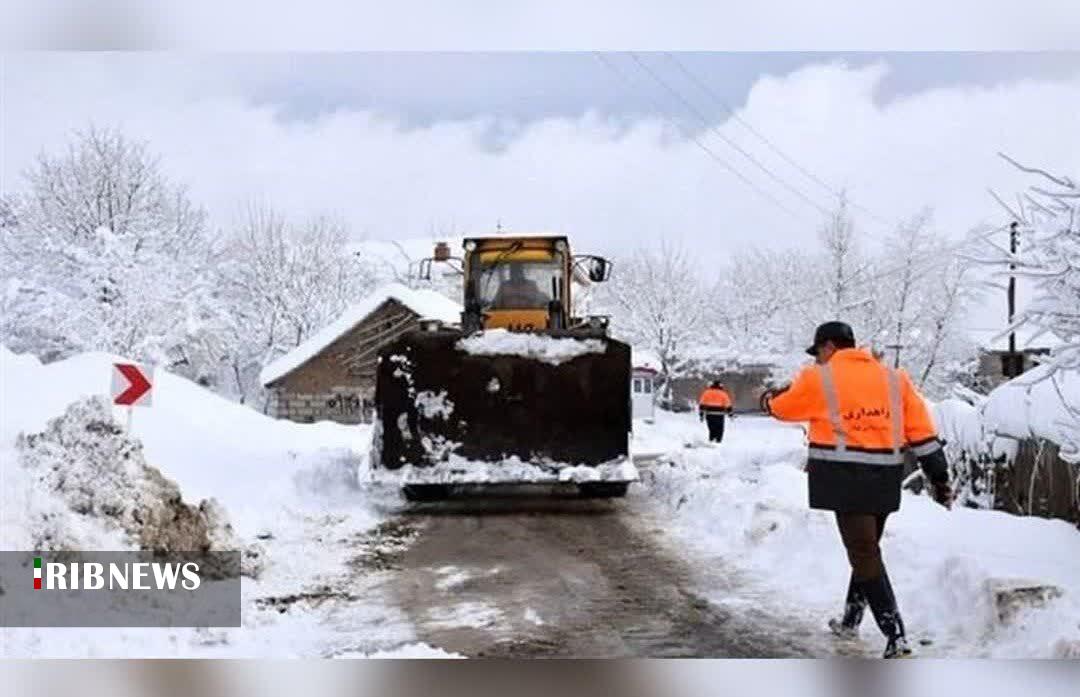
(863, 416)
(714, 400)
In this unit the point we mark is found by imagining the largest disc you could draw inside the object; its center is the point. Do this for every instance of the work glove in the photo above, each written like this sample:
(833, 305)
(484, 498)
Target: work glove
(942, 493)
(769, 394)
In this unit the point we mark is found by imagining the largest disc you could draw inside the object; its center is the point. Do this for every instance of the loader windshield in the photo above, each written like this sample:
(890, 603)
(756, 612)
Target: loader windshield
(517, 284)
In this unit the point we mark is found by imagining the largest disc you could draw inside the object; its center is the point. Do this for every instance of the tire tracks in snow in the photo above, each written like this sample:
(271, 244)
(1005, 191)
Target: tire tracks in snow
(520, 577)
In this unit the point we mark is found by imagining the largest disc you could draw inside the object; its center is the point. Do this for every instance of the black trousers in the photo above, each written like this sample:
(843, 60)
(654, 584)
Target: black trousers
(869, 584)
(716, 427)
(861, 533)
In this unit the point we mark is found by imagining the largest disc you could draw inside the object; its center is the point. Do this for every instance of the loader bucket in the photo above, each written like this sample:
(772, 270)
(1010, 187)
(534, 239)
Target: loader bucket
(438, 403)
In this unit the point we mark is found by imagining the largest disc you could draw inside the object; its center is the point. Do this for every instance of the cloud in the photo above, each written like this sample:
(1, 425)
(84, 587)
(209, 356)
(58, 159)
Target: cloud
(610, 183)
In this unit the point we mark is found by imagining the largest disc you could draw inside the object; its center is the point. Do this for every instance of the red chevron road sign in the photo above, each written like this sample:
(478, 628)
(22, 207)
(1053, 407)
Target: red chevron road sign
(131, 385)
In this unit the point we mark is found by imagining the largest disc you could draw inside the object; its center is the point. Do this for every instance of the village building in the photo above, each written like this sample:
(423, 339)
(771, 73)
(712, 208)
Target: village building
(331, 375)
(746, 377)
(643, 392)
(997, 365)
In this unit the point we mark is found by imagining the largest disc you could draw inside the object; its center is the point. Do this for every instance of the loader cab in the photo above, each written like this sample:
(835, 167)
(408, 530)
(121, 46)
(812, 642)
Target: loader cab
(518, 283)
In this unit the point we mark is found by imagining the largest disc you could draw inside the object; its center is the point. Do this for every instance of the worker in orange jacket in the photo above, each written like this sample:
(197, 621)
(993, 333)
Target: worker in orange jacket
(713, 405)
(863, 417)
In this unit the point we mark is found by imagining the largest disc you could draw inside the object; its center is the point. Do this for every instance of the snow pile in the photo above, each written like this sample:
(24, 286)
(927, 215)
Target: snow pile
(457, 470)
(746, 500)
(428, 304)
(76, 481)
(553, 350)
(212, 447)
(1042, 403)
(254, 466)
(84, 458)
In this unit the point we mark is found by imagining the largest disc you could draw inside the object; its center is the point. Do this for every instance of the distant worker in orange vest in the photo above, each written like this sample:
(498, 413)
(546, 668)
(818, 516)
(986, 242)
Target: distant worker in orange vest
(713, 405)
(863, 417)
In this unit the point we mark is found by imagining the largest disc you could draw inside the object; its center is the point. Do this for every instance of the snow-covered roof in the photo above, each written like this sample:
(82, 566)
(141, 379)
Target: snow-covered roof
(426, 303)
(1027, 339)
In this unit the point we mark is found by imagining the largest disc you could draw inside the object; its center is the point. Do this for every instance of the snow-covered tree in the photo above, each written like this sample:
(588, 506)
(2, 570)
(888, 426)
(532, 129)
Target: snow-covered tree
(921, 291)
(284, 281)
(106, 253)
(1049, 224)
(658, 303)
(759, 300)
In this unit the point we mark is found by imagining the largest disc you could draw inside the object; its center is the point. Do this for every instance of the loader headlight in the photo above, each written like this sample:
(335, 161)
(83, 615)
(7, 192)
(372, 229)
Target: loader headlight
(470, 245)
(560, 245)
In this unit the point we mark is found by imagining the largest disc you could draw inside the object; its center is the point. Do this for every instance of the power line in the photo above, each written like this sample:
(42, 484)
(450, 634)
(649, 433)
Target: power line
(834, 191)
(732, 144)
(742, 177)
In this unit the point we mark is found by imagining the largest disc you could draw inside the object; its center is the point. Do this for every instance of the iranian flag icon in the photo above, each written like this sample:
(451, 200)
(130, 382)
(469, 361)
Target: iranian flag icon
(37, 573)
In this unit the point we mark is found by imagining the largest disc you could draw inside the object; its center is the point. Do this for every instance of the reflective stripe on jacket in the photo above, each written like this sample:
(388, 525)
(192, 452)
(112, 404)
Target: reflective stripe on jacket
(714, 400)
(863, 417)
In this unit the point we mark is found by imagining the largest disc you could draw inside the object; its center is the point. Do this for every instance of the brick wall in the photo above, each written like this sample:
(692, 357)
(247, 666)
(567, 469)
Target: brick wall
(338, 384)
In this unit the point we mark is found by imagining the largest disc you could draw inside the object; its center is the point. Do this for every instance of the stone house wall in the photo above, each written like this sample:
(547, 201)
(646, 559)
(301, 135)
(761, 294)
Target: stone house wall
(991, 368)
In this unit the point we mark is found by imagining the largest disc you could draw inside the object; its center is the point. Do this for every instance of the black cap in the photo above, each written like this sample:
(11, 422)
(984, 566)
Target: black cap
(838, 332)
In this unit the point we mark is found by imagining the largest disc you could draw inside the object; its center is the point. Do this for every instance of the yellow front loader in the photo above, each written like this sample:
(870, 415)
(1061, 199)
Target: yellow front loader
(522, 392)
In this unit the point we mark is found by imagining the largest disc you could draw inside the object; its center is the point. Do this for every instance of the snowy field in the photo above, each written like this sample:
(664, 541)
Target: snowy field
(745, 500)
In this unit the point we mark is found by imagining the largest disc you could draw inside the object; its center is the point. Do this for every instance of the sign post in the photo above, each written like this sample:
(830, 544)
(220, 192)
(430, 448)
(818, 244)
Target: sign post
(132, 387)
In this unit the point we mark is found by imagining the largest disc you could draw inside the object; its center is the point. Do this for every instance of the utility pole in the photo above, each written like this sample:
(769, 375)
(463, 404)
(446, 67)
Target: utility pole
(1014, 243)
(896, 355)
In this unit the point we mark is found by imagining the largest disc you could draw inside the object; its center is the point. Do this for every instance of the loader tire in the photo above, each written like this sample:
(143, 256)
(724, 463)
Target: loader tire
(603, 490)
(420, 493)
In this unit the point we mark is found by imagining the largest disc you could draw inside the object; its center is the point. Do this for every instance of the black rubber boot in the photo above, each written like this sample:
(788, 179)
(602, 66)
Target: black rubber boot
(847, 627)
(882, 601)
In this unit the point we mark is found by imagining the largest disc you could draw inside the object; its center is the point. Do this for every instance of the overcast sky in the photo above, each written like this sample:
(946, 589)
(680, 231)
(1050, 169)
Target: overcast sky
(403, 144)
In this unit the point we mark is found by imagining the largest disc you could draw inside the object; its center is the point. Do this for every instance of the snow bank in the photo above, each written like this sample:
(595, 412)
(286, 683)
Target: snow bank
(287, 484)
(1041, 403)
(210, 446)
(500, 342)
(746, 501)
(428, 304)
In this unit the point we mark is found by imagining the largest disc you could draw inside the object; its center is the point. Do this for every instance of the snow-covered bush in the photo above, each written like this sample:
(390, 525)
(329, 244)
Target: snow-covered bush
(973, 455)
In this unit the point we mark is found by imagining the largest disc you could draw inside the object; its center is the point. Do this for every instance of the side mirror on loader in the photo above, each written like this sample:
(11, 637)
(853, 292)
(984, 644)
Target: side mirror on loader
(599, 269)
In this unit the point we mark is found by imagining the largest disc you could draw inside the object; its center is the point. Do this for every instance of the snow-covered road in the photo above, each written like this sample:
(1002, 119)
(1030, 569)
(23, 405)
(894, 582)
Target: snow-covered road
(516, 576)
(714, 553)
